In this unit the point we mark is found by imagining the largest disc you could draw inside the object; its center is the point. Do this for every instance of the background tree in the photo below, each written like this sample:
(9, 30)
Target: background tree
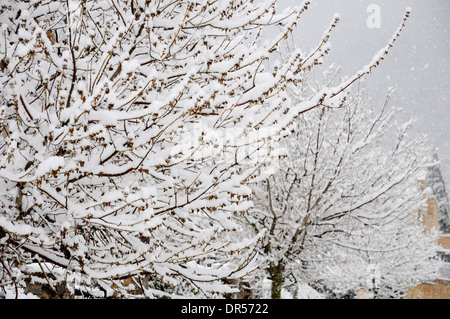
(435, 181)
(129, 130)
(346, 201)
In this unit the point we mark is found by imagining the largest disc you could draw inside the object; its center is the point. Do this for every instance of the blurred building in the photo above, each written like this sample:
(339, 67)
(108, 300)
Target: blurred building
(436, 217)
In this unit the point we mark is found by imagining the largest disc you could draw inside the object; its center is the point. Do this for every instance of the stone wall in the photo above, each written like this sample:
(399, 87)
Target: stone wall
(437, 290)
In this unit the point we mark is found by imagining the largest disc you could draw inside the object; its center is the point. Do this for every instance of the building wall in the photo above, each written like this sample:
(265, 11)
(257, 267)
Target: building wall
(444, 241)
(431, 216)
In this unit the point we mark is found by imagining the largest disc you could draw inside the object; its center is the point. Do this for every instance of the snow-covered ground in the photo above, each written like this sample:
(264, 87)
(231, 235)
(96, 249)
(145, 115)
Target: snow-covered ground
(11, 294)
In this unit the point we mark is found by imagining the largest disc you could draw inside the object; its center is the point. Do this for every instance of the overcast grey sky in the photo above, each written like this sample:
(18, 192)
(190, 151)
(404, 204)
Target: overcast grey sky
(419, 64)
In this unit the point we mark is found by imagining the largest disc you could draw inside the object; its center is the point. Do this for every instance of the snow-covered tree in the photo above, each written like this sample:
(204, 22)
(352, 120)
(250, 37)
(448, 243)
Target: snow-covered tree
(343, 211)
(435, 181)
(129, 130)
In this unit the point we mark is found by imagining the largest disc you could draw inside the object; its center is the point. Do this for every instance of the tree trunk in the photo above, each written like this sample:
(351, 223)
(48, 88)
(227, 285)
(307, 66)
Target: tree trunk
(374, 288)
(276, 274)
